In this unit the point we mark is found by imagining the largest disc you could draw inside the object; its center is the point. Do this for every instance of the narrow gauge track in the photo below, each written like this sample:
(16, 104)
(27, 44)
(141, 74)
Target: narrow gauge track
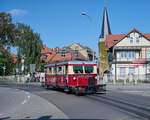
(135, 110)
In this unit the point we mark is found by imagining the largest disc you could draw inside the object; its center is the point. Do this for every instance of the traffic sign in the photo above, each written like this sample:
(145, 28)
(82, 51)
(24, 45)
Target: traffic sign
(32, 68)
(111, 69)
(4, 67)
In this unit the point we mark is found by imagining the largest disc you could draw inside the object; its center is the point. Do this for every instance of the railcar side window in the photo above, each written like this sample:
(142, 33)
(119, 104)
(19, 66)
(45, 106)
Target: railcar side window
(78, 69)
(66, 69)
(88, 69)
(50, 70)
(60, 71)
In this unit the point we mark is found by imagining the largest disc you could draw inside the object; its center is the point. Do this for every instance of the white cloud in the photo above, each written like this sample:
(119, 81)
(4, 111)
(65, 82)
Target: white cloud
(17, 12)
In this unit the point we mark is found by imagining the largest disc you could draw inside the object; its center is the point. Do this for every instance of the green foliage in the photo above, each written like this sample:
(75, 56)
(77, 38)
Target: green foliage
(8, 36)
(104, 54)
(5, 60)
(103, 57)
(30, 46)
(8, 31)
(24, 38)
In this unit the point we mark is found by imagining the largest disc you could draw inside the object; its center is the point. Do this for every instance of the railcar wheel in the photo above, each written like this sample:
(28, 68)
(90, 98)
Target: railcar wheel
(47, 86)
(77, 93)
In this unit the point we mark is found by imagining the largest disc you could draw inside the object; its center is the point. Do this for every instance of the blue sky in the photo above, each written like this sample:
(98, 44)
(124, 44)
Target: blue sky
(60, 22)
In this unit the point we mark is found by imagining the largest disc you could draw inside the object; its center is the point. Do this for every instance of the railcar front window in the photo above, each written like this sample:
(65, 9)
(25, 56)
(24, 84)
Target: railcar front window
(78, 69)
(88, 69)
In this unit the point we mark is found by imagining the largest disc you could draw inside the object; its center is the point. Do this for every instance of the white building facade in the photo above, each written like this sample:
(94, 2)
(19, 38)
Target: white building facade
(129, 56)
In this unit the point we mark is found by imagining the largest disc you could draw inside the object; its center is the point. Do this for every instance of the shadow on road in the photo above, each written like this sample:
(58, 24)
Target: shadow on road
(44, 118)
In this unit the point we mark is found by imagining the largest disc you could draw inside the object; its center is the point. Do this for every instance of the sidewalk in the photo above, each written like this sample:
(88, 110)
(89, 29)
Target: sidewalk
(33, 107)
(140, 89)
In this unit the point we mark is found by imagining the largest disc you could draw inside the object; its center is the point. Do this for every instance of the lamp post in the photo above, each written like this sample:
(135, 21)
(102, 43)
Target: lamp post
(22, 67)
(91, 21)
(4, 68)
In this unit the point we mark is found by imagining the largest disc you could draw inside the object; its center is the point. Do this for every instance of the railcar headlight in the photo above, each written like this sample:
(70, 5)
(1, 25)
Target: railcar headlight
(74, 78)
(96, 77)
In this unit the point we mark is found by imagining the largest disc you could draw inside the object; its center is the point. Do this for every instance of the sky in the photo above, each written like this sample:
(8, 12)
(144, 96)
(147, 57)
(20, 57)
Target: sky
(60, 23)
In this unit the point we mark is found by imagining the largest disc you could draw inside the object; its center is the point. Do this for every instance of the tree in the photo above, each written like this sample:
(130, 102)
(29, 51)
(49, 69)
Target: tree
(6, 60)
(9, 33)
(29, 46)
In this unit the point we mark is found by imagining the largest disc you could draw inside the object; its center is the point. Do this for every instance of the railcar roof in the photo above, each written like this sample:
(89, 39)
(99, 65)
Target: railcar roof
(70, 62)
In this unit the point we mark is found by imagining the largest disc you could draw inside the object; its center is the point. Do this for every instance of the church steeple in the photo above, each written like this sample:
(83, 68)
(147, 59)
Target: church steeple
(105, 27)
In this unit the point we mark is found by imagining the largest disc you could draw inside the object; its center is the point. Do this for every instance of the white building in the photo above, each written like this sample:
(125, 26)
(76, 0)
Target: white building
(129, 55)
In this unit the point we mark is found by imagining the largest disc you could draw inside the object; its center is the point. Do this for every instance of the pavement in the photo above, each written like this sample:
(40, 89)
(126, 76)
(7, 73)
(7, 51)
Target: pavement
(138, 89)
(19, 104)
(121, 102)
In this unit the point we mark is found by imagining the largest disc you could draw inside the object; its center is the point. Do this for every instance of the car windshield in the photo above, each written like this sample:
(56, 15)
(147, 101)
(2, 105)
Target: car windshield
(78, 69)
(88, 69)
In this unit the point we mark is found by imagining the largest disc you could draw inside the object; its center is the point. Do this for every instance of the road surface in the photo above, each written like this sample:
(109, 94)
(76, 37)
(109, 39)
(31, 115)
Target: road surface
(119, 103)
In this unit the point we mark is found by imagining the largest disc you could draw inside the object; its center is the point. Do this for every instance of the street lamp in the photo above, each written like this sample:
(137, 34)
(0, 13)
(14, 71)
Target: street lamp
(22, 67)
(91, 21)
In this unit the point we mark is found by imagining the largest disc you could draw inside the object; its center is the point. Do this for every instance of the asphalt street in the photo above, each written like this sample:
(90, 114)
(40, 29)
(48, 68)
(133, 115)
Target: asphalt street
(120, 102)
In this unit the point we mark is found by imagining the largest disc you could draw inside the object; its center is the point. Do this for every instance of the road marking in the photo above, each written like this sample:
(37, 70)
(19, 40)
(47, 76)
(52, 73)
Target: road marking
(1, 114)
(27, 93)
(133, 91)
(28, 96)
(24, 102)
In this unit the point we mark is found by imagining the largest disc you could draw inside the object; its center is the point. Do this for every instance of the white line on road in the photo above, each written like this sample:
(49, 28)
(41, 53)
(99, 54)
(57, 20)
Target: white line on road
(1, 114)
(28, 96)
(27, 93)
(133, 91)
(24, 102)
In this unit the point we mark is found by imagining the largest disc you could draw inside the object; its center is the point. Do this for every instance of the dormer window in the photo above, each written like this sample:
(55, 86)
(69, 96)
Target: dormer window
(131, 40)
(76, 51)
(63, 53)
(57, 49)
(137, 39)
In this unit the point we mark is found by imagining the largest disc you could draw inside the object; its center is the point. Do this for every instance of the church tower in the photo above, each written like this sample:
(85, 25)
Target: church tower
(105, 30)
(105, 27)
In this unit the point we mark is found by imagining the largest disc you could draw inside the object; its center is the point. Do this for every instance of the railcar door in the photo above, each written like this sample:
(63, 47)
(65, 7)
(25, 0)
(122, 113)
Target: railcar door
(56, 79)
(66, 74)
(91, 80)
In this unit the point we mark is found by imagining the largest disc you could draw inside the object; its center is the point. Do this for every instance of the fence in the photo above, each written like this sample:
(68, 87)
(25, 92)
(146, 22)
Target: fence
(140, 78)
(20, 79)
(8, 79)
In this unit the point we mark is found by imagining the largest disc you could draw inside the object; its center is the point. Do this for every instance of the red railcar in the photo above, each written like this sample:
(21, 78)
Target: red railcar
(73, 76)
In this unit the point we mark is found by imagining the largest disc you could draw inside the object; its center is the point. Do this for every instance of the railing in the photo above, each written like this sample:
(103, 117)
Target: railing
(8, 79)
(141, 78)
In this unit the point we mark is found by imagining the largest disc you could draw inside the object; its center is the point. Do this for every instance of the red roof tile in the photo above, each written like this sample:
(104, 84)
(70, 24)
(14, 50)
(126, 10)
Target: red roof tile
(58, 57)
(147, 35)
(113, 38)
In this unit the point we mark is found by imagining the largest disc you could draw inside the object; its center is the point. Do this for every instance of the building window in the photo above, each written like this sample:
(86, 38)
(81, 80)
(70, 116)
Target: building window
(122, 72)
(131, 70)
(123, 54)
(44, 56)
(131, 40)
(63, 53)
(137, 39)
(110, 56)
(77, 51)
(131, 54)
(148, 54)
